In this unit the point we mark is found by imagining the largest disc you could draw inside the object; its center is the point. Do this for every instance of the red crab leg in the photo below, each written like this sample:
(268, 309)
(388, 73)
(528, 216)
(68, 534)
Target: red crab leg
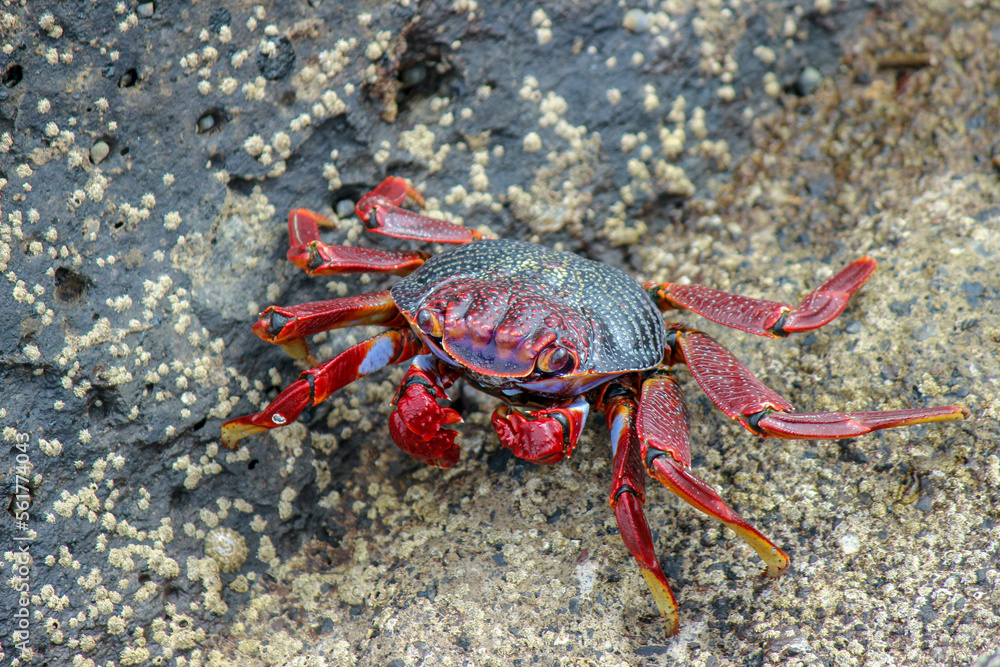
(416, 425)
(738, 393)
(380, 211)
(664, 438)
(767, 318)
(541, 436)
(392, 191)
(316, 385)
(628, 491)
(319, 259)
(288, 326)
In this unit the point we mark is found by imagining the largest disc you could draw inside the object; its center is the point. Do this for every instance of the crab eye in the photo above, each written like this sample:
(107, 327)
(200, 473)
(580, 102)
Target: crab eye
(429, 322)
(553, 359)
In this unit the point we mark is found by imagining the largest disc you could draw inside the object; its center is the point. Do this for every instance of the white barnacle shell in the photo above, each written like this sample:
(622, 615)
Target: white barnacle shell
(227, 548)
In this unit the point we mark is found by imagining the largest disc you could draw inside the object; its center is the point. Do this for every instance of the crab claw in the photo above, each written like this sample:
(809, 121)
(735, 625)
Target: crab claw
(439, 450)
(539, 440)
(418, 409)
(417, 423)
(544, 436)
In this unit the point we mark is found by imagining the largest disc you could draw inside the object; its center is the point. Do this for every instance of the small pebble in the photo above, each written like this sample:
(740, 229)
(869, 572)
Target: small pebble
(414, 75)
(636, 21)
(808, 81)
(128, 79)
(99, 151)
(344, 208)
(145, 10)
(206, 123)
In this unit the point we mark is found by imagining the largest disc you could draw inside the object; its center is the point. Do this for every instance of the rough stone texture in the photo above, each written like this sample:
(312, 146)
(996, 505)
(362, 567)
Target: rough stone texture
(148, 155)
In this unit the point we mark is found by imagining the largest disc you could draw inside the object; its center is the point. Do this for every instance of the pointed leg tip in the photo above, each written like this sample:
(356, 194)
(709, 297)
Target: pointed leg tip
(863, 266)
(235, 430)
(305, 215)
(835, 425)
(664, 598)
(944, 413)
(303, 228)
(867, 260)
(773, 572)
(298, 349)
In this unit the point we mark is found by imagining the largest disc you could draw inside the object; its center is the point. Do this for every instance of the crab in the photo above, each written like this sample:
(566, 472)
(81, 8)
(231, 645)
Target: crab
(551, 334)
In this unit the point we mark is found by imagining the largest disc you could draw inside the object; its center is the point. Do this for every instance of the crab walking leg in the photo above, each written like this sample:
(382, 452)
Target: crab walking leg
(767, 318)
(316, 385)
(738, 393)
(664, 440)
(319, 259)
(288, 326)
(628, 491)
(401, 223)
(381, 213)
(416, 425)
(541, 436)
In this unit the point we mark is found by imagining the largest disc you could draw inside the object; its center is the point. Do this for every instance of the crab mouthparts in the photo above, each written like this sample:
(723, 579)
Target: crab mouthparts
(491, 358)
